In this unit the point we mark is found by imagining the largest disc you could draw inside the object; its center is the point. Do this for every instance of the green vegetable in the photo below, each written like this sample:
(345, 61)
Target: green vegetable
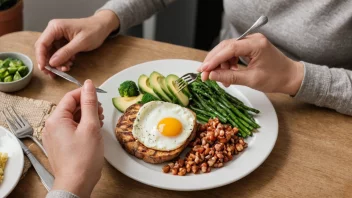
(156, 80)
(147, 97)
(17, 76)
(182, 98)
(2, 70)
(4, 74)
(16, 63)
(209, 99)
(201, 111)
(126, 89)
(6, 63)
(8, 79)
(12, 70)
(23, 70)
(144, 86)
(202, 118)
(122, 103)
(210, 109)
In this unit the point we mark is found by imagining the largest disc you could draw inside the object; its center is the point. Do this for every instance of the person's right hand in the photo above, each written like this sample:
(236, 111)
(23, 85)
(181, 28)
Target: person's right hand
(74, 142)
(64, 38)
(269, 70)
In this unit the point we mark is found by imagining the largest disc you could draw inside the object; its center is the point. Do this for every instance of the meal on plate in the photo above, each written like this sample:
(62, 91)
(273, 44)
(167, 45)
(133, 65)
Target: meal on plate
(156, 131)
(12, 70)
(159, 122)
(3, 160)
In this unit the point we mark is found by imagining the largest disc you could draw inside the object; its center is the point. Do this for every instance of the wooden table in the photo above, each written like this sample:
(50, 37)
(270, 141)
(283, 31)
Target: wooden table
(312, 156)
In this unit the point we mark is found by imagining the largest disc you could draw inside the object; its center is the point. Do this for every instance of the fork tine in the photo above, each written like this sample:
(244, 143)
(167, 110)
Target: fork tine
(8, 122)
(180, 88)
(181, 85)
(15, 116)
(12, 119)
(178, 81)
(24, 121)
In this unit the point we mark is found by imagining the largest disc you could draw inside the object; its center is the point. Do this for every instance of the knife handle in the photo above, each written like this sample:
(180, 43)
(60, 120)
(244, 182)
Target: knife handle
(45, 176)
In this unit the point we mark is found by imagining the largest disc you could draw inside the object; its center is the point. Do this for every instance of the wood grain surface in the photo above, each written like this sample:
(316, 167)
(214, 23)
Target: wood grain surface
(312, 156)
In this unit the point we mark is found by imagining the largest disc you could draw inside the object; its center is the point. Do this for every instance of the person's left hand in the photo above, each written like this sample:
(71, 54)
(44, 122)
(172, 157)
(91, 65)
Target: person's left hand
(74, 143)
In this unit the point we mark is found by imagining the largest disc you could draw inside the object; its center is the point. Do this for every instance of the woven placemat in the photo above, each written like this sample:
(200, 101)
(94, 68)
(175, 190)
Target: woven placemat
(35, 111)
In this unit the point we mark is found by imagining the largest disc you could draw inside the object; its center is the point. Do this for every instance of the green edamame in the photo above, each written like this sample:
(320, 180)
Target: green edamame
(12, 70)
(8, 79)
(17, 76)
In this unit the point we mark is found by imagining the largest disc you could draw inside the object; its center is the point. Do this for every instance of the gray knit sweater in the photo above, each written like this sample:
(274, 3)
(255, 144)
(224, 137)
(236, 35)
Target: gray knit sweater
(317, 32)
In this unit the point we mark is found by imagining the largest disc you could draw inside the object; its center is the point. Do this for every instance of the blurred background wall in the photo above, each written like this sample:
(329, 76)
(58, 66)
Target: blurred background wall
(191, 23)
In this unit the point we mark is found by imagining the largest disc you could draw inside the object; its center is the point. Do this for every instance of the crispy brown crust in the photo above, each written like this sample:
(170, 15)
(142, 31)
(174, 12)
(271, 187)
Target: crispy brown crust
(124, 135)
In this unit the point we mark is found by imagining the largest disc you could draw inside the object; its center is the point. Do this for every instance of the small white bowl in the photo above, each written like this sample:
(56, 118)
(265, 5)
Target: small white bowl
(23, 82)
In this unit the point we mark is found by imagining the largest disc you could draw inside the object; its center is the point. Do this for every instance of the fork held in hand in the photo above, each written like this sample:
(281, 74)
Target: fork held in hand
(20, 127)
(189, 78)
(185, 80)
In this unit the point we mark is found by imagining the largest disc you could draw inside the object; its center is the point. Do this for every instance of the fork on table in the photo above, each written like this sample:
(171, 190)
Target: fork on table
(19, 126)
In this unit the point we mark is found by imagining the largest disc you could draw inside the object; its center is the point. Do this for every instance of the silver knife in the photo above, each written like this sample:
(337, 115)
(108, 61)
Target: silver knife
(69, 78)
(45, 176)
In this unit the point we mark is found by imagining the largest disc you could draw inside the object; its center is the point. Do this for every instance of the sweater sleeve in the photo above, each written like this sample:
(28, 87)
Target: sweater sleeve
(327, 87)
(133, 12)
(60, 194)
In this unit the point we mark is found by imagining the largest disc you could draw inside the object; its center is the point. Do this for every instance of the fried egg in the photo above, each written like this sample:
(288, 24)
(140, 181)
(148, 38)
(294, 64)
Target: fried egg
(163, 126)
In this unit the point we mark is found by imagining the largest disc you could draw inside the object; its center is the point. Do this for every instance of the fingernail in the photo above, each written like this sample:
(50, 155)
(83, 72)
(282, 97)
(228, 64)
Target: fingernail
(213, 75)
(204, 77)
(88, 86)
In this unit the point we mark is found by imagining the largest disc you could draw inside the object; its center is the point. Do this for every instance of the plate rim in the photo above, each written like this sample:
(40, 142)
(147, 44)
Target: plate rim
(242, 89)
(21, 161)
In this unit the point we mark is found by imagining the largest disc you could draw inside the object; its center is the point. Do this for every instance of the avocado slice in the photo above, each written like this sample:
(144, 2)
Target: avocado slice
(181, 97)
(167, 91)
(122, 103)
(155, 80)
(144, 86)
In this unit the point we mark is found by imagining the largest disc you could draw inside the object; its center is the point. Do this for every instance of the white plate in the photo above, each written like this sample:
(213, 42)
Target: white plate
(14, 165)
(259, 146)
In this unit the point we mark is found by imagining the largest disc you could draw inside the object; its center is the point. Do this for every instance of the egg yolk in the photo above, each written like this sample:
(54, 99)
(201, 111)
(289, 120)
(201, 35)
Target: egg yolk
(170, 127)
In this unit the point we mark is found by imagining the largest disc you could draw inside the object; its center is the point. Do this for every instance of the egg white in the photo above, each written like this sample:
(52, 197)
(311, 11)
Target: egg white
(145, 125)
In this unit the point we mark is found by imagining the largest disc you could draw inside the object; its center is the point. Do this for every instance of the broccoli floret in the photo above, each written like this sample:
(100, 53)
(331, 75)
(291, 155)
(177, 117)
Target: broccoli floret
(128, 89)
(147, 97)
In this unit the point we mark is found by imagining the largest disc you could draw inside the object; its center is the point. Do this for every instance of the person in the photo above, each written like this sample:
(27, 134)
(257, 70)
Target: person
(304, 51)
(75, 149)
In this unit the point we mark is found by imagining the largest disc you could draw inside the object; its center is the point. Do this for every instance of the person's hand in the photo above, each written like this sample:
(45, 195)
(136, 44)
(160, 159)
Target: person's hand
(73, 141)
(269, 70)
(64, 38)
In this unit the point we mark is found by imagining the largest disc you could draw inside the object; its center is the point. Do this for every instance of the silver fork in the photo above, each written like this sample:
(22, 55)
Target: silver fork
(15, 124)
(21, 127)
(189, 78)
